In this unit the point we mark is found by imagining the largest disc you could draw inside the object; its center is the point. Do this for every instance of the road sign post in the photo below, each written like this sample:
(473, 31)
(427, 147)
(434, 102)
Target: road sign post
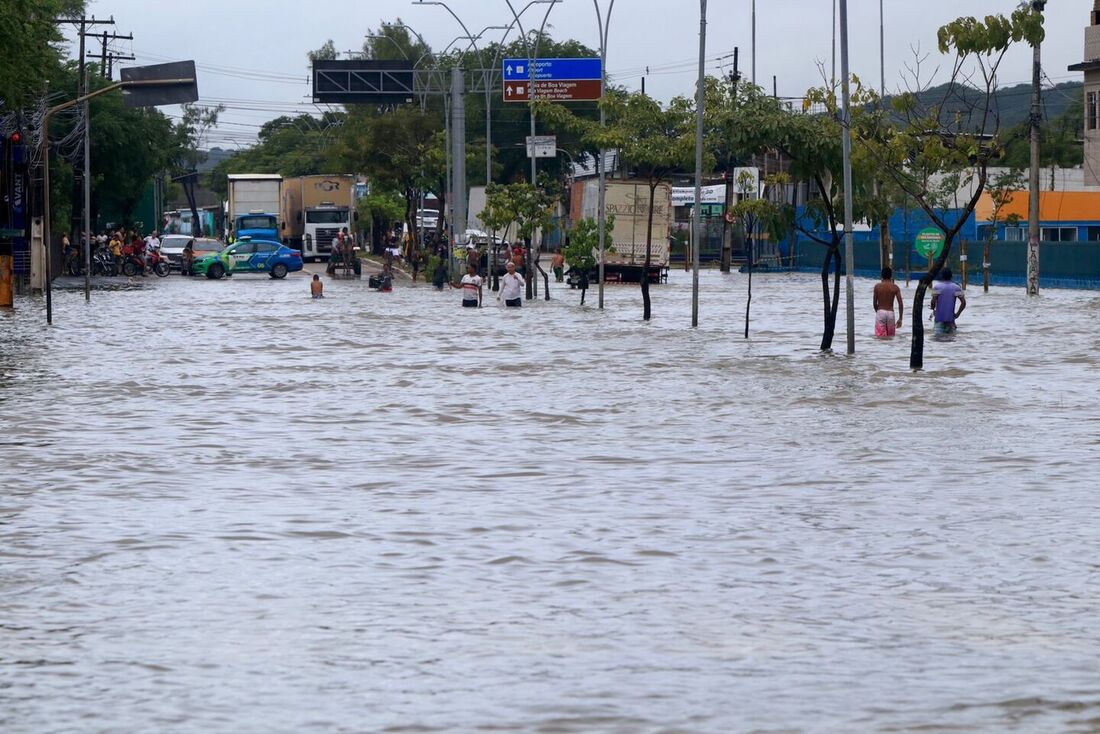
(542, 146)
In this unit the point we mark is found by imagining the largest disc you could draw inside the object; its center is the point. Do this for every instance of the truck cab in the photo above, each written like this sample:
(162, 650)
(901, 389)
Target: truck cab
(257, 225)
(322, 224)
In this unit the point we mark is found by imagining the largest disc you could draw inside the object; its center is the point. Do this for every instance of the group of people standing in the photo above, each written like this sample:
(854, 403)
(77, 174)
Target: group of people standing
(512, 285)
(117, 245)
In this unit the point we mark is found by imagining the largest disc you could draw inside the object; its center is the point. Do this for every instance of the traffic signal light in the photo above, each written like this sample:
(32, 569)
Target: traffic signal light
(16, 138)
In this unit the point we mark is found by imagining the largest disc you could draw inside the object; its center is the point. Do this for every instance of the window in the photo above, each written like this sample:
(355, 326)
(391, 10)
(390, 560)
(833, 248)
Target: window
(1093, 234)
(266, 247)
(257, 223)
(244, 248)
(985, 230)
(1058, 234)
(327, 217)
(1091, 105)
(1015, 234)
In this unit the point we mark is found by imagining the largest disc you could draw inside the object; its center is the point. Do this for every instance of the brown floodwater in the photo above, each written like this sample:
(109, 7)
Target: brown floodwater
(226, 507)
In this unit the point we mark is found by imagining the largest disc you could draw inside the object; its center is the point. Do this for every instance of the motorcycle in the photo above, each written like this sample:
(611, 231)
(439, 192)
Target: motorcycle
(103, 264)
(134, 265)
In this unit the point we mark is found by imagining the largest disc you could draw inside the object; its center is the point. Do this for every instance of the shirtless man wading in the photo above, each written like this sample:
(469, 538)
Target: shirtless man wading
(886, 293)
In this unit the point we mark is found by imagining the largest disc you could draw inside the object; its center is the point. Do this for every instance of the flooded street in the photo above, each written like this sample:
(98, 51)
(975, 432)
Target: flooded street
(229, 508)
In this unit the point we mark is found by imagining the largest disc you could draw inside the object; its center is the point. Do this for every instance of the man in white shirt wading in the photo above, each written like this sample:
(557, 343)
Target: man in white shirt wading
(511, 287)
(471, 288)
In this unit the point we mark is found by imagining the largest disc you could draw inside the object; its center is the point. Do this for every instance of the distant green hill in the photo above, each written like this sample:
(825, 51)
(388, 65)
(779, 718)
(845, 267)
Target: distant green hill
(1013, 104)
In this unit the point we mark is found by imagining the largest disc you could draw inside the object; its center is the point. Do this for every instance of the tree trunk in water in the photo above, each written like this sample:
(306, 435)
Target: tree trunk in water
(916, 352)
(646, 309)
(831, 301)
(545, 276)
(528, 276)
(748, 300)
(985, 267)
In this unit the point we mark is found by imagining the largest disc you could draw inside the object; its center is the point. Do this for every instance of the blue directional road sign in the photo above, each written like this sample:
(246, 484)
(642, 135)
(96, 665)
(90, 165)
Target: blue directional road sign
(558, 80)
(551, 70)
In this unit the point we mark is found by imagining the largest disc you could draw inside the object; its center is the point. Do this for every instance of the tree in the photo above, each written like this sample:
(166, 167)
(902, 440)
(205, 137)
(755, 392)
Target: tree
(580, 249)
(812, 144)
(766, 213)
(32, 47)
(327, 52)
(929, 145)
(528, 207)
(654, 142)
(396, 149)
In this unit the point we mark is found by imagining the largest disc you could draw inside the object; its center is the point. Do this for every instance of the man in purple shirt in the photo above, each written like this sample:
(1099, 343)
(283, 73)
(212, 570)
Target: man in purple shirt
(944, 294)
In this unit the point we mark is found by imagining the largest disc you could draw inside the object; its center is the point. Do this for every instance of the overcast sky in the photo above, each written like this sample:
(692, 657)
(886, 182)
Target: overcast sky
(252, 53)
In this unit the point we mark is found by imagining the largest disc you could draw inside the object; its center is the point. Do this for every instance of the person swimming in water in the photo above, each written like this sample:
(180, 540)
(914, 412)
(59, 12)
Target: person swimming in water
(316, 287)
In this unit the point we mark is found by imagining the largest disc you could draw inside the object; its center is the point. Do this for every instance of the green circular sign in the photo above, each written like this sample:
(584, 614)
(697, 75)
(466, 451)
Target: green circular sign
(930, 242)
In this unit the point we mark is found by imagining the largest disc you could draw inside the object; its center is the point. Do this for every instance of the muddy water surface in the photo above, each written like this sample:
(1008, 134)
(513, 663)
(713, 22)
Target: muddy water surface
(227, 508)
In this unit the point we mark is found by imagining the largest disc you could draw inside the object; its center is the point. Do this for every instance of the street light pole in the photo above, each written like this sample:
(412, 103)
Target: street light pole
(700, 102)
(753, 49)
(882, 50)
(604, 27)
(846, 123)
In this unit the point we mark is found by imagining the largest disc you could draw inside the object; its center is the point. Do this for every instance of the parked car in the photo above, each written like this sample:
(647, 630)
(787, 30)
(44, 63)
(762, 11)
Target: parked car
(172, 246)
(250, 256)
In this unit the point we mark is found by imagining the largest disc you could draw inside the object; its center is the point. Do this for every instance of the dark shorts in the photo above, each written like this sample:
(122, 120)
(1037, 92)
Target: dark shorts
(514, 303)
(469, 304)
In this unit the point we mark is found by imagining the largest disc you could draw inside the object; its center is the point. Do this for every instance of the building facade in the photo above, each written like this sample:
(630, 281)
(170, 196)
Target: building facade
(1091, 68)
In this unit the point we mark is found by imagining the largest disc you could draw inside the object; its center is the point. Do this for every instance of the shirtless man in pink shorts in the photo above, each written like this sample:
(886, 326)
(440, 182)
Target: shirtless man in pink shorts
(886, 293)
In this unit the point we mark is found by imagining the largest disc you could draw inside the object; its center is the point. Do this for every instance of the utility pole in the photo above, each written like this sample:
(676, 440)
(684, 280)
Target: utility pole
(696, 214)
(846, 122)
(106, 56)
(832, 78)
(1037, 6)
(458, 141)
(882, 50)
(85, 23)
(754, 41)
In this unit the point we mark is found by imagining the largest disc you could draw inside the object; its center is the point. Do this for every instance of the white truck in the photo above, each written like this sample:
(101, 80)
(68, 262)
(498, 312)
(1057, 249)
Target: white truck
(629, 202)
(253, 208)
(314, 209)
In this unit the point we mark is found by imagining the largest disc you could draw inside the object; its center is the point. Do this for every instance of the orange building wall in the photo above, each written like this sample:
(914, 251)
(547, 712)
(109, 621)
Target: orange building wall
(1054, 206)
